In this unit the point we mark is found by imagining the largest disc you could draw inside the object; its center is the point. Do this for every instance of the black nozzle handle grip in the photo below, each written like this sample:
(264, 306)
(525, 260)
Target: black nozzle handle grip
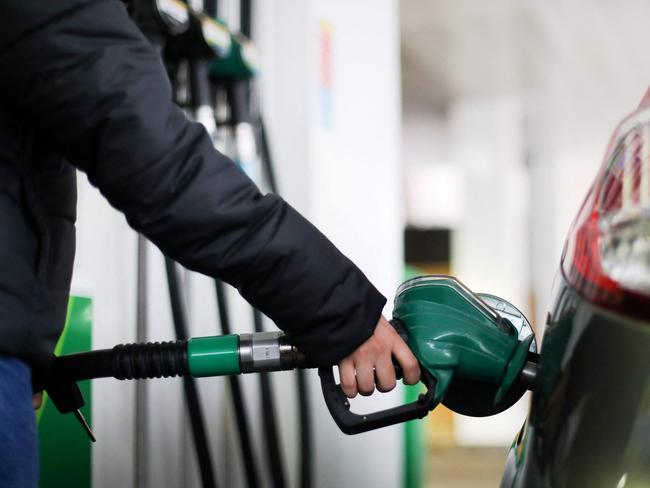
(352, 423)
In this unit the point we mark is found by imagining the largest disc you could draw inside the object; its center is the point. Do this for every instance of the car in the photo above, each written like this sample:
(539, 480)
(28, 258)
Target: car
(589, 419)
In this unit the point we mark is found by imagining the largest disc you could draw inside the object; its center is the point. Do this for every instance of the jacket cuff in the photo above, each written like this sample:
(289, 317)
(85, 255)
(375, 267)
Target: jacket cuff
(328, 347)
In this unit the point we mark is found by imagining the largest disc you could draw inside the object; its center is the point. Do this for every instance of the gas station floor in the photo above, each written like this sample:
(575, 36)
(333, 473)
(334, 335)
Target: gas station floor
(465, 467)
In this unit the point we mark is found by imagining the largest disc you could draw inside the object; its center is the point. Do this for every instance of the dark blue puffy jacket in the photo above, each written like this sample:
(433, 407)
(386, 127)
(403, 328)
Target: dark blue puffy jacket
(81, 88)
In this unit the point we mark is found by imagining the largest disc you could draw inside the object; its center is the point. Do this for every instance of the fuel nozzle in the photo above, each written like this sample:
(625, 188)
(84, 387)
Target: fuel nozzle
(528, 375)
(477, 354)
(480, 347)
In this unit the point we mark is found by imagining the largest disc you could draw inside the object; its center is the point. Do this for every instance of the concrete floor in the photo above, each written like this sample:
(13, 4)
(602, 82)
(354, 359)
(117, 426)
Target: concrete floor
(464, 467)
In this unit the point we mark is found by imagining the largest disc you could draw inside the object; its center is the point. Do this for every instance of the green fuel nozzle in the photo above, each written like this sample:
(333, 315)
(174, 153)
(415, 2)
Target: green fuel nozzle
(459, 335)
(477, 355)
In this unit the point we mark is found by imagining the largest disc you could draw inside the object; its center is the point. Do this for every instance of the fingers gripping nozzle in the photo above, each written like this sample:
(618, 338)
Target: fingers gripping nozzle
(353, 423)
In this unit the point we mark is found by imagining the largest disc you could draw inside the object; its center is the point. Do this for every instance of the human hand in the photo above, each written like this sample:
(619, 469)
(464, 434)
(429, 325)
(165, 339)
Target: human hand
(372, 362)
(37, 400)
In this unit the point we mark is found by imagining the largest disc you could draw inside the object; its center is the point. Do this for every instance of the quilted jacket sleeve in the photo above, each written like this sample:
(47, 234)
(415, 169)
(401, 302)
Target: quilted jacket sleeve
(98, 94)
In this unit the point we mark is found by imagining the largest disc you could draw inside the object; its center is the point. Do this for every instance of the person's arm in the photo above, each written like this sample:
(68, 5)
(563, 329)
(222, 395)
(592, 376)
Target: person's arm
(97, 93)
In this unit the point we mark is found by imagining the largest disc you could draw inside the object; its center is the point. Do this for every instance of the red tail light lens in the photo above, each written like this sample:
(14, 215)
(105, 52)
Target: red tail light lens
(607, 254)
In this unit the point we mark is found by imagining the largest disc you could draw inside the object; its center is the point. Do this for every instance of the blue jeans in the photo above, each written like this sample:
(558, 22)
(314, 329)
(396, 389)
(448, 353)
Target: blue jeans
(18, 435)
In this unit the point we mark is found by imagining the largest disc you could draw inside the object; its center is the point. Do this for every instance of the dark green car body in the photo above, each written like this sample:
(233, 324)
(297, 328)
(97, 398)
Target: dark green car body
(589, 421)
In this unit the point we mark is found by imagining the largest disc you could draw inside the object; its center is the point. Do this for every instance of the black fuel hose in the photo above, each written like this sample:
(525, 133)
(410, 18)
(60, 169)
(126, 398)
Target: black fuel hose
(124, 362)
(238, 96)
(304, 410)
(245, 17)
(197, 421)
(267, 161)
(167, 359)
(273, 446)
(250, 468)
(304, 423)
(305, 475)
(200, 95)
(210, 8)
(239, 93)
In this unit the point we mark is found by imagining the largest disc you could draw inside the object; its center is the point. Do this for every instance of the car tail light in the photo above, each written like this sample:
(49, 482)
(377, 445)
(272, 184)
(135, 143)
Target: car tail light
(607, 254)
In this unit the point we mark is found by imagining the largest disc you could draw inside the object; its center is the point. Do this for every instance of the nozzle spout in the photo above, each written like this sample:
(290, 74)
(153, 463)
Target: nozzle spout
(528, 375)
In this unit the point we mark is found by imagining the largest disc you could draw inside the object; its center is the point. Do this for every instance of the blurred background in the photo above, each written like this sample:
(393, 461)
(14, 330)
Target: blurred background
(422, 136)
